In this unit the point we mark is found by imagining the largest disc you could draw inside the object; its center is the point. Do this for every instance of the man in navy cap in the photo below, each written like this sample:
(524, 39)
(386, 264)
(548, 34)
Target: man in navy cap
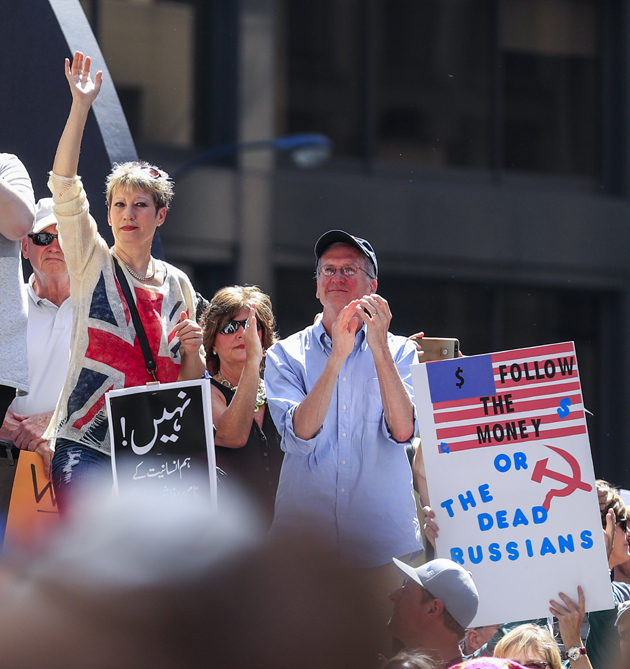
(340, 395)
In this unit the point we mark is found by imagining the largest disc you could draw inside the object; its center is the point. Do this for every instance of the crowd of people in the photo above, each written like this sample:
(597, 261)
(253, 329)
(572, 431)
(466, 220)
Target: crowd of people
(316, 429)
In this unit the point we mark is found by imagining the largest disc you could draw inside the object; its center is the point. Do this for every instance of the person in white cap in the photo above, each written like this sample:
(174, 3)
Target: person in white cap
(433, 608)
(48, 338)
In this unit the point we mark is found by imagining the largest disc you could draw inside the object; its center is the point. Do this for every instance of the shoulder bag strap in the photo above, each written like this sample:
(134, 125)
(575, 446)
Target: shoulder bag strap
(137, 322)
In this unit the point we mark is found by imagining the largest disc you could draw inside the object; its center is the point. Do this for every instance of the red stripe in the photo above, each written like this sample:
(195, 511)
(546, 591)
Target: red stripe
(462, 430)
(547, 351)
(95, 408)
(534, 404)
(562, 386)
(544, 434)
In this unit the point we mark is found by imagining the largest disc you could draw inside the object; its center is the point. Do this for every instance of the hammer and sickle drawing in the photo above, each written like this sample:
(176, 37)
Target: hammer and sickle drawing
(572, 483)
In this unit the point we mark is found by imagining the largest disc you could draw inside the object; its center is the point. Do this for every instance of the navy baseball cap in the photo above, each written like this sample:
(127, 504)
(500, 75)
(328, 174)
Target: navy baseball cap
(334, 236)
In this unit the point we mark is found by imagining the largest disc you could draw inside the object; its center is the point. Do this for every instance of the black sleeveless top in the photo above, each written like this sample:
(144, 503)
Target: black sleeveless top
(256, 466)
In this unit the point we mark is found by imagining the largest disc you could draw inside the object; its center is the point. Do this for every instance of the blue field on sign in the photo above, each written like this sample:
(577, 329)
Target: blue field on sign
(461, 378)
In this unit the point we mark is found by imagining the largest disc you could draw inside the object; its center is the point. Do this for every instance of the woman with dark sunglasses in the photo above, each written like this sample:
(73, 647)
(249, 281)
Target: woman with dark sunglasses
(238, 327)
(105, 350)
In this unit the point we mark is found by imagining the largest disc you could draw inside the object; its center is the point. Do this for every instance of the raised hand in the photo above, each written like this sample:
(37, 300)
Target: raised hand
(253, 345)
(417, 341)
(570, 616)
(344, 330)
(83, 89)
(375, 312)
(189, 334)
(431, 530)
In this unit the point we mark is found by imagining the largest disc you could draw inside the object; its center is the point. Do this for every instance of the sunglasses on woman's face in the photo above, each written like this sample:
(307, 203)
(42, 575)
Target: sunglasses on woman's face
(233, 327)
(623, 524)
(42, 238)
(536, 665)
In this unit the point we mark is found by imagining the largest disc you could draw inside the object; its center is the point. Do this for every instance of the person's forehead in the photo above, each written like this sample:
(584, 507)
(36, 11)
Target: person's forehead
(341, 252)
(131, 192)
(52, 229)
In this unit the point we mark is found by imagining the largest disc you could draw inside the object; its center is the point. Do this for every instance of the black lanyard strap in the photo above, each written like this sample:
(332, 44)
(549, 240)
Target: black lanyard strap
(137, 321)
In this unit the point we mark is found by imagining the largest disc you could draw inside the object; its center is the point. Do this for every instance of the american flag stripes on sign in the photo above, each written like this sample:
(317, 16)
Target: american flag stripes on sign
(536, 395)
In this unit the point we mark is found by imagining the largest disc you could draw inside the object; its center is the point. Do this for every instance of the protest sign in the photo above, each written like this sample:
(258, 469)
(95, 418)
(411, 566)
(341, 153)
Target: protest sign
(511, 479)
(33, 508)
(162, 439)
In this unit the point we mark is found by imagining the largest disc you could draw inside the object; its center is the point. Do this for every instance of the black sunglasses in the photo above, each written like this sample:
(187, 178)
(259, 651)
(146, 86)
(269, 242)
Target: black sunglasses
(42, 238)
(233, 327)
(624, 524)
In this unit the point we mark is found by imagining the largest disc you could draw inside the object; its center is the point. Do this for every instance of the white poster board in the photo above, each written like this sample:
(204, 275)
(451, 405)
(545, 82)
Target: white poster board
(162, 440)
(511, 479)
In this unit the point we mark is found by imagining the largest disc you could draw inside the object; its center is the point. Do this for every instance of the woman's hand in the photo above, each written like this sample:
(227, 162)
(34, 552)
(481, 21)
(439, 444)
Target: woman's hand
(569, 617)
(253, 345)
(416, 339)
(189, 334)
(431, 530)
(84, 90)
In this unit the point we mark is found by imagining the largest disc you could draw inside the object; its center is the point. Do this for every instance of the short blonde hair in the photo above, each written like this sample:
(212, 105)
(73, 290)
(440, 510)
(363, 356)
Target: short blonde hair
(138, 174)
(533, 637)
(224, 306)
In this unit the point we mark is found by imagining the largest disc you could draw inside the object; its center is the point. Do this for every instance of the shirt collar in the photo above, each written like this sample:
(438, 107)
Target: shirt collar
(325, 342)
(36, 298)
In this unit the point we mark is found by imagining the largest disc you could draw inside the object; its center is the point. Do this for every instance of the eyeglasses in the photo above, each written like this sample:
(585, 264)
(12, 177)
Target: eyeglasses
(624, 524)
(233, 327)
(347, 271)
(536, 665)
(42, 238)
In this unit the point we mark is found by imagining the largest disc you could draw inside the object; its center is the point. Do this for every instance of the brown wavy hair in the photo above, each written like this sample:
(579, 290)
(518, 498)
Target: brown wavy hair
(224, 306)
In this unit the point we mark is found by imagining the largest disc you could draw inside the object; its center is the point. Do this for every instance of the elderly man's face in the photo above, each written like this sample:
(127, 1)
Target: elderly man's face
(337, 291)
(45, 259)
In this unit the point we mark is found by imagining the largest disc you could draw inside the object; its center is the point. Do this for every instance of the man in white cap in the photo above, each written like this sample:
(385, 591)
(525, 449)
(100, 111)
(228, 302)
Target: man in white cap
(48, 341)
(432, 609)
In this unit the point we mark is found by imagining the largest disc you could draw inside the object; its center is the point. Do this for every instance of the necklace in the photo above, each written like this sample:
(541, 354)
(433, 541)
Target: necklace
(133, 272)
(261, 393)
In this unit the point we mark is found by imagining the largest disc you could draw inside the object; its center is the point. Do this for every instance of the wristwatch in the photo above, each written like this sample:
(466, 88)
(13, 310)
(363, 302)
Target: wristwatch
(575, 653)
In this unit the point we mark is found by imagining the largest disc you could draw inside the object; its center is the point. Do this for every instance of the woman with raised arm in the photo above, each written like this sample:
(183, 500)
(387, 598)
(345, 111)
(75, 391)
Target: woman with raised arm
(105, 351)
(238, 327)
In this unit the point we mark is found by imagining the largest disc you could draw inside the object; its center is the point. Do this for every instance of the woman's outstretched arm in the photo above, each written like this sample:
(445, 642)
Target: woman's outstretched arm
(84, 92)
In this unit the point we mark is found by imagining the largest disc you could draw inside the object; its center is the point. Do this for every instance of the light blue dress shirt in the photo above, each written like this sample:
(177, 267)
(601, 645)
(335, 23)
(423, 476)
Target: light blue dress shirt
(351, 482)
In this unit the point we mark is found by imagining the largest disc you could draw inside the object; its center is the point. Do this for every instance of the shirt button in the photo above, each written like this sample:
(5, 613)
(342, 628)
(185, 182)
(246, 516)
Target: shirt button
(343, 462)
(344, 434)
(343, 490)
(344, 378)
(344, 407)
(267, 468)
(265, 454)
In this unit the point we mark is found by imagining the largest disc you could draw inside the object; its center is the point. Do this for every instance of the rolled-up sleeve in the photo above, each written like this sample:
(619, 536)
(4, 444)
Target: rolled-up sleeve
(285, 390)
(404, 357)
(78, 232)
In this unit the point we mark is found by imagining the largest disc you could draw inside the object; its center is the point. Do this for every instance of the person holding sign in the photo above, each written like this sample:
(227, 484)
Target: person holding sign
(238, 327)
(108, 350)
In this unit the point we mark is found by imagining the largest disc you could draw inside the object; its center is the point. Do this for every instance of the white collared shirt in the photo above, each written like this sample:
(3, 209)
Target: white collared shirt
(48, 342)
